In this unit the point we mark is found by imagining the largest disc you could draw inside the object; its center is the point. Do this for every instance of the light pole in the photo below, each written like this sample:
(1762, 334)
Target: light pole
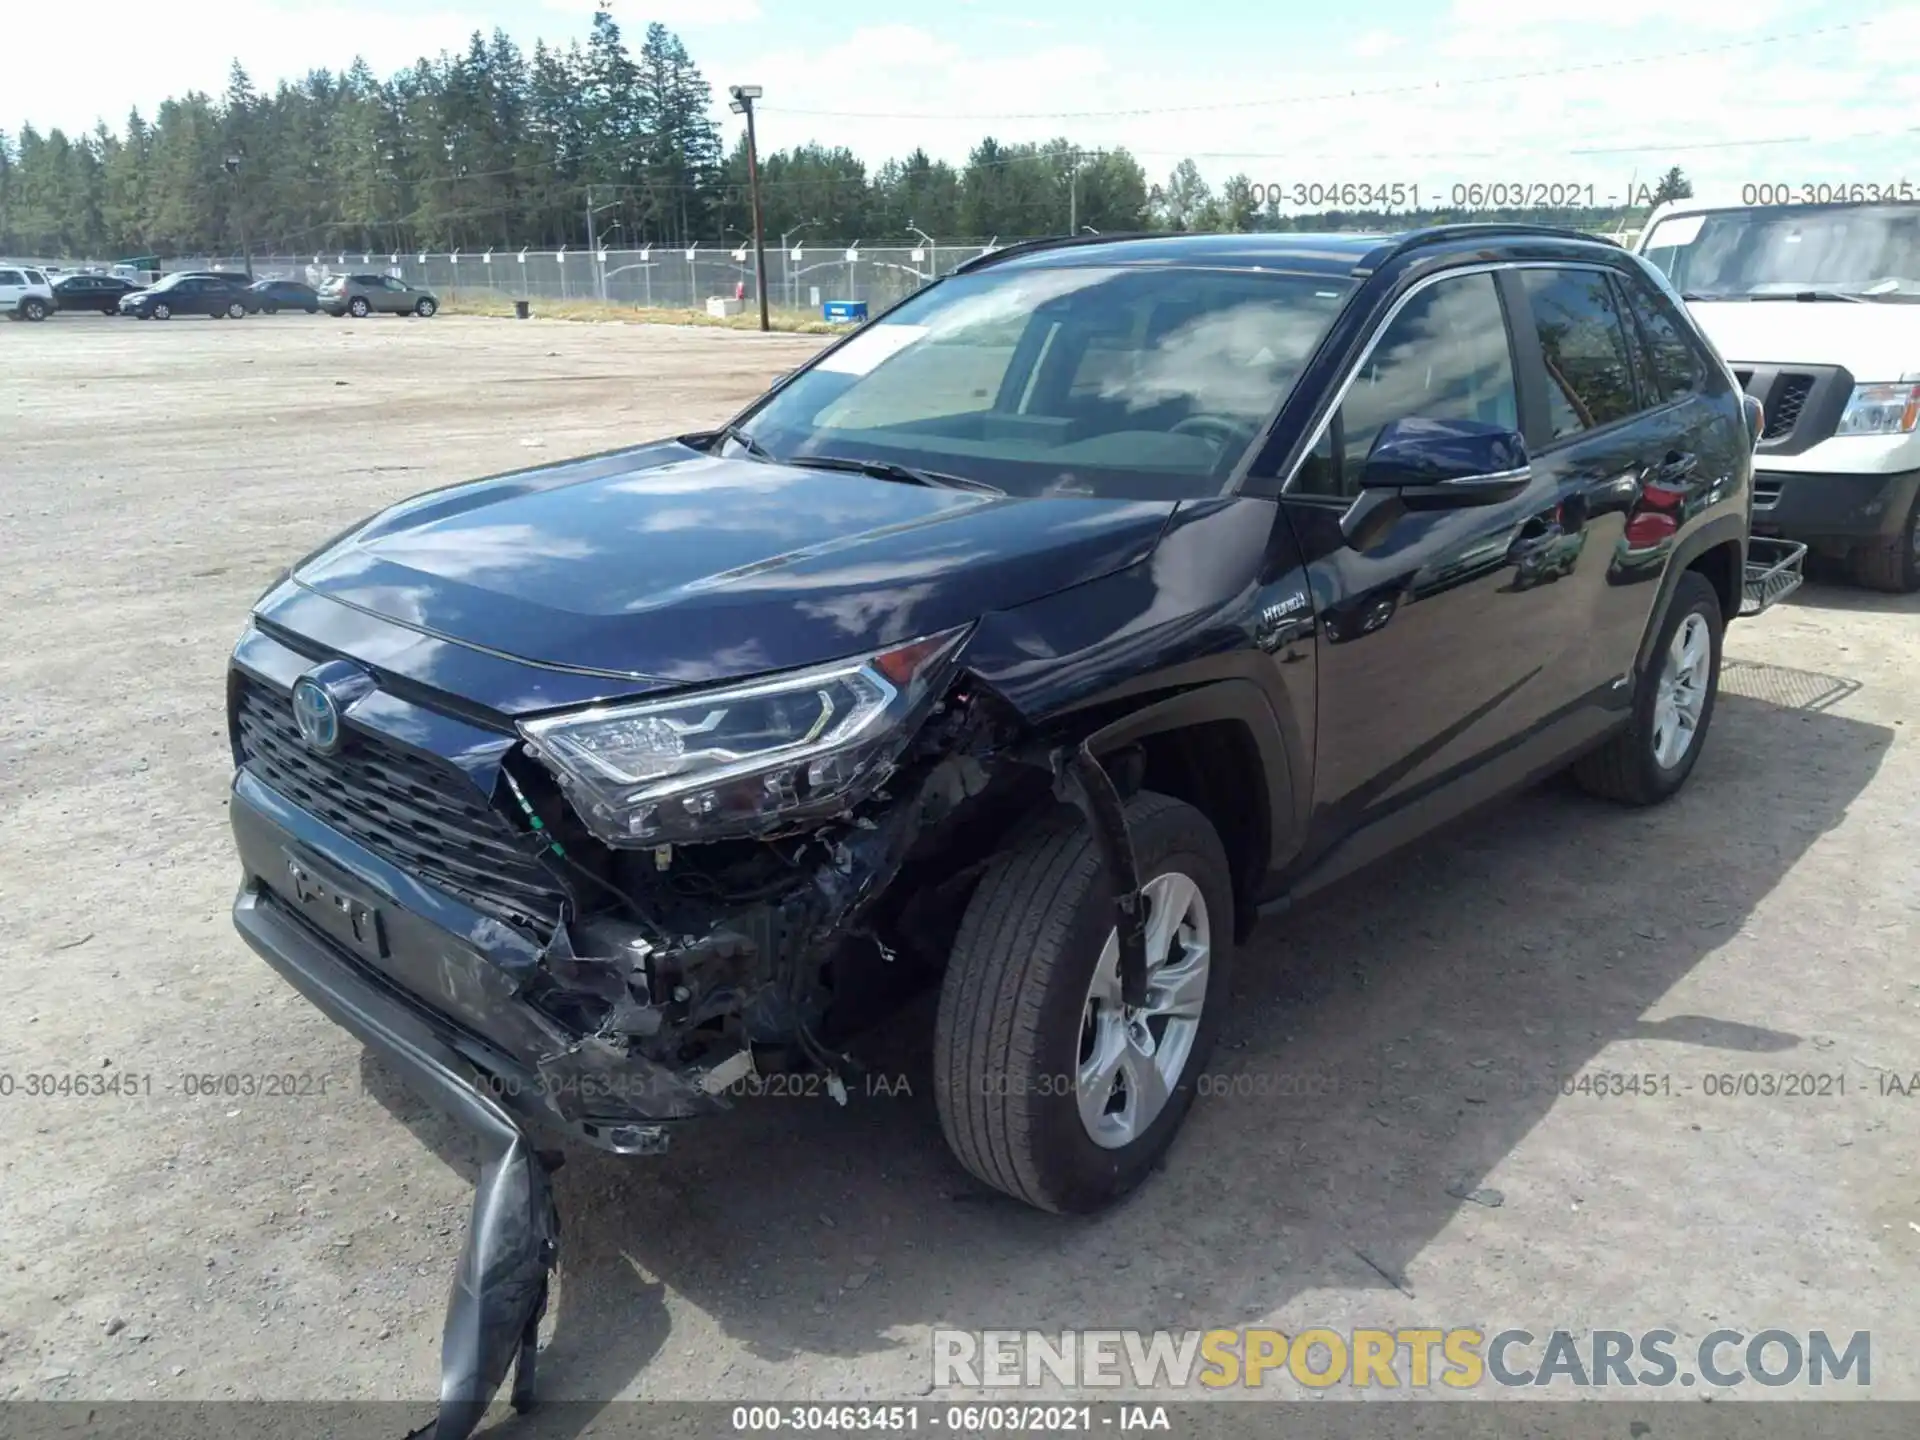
(234, 158)
(593, 243)
(743, 98)
(788, 259)
(933, 252)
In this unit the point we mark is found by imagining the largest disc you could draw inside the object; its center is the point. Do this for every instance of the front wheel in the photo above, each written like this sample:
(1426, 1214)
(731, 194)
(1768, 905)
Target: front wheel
(1672, 708)
(358, 308)
(1049, 1087)
(163, 312)
(1892, 564)
(425, 309)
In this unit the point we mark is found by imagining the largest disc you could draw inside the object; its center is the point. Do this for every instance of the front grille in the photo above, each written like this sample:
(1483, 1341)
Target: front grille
(1783, 410)
(419, 814)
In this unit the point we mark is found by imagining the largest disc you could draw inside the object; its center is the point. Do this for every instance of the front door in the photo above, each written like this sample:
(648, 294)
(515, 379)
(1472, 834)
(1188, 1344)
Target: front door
(1441, 633)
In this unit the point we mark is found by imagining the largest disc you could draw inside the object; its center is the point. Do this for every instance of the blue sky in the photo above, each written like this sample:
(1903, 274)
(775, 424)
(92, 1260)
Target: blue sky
(1262, 88)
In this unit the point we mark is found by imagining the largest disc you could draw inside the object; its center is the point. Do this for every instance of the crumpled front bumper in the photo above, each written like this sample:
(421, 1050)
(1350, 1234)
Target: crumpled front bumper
(435, 1005)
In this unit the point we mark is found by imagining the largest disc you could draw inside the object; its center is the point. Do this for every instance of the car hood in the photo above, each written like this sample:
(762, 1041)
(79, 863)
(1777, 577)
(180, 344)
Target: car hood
(1878, 340)
(666, 564)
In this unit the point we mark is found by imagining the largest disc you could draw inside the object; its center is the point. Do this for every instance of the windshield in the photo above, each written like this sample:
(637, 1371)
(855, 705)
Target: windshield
(1120, 382)
(1867, 251)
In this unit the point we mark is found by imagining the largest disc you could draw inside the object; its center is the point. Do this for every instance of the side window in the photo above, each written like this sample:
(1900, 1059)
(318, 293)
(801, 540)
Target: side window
(1443, 357)
(12, 277)
(1584, 345)
(1672, 357)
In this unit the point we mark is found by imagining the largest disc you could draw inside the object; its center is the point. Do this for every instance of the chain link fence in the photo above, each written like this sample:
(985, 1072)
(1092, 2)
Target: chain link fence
(802, 279)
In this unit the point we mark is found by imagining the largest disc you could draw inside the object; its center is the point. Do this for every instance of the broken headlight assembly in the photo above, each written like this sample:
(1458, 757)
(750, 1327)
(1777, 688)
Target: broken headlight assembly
(743, 759)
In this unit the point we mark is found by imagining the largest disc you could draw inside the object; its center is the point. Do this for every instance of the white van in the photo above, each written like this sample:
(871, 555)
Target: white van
(1816, 307)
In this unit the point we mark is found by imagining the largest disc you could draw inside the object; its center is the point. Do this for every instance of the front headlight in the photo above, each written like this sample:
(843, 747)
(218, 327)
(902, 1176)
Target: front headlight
(742, 759)
(1881, 410)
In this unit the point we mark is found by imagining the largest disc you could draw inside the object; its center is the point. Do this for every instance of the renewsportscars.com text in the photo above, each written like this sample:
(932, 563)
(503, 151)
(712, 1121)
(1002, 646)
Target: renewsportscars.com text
(1457, 1359)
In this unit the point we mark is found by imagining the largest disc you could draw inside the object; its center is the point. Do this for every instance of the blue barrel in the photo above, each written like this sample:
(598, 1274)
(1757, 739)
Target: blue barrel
(844, 312)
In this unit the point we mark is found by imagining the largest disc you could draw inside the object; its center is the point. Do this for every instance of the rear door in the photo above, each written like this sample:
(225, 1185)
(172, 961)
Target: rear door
(1630, 427)
(1594, 433)
(13, 285)
(1432, 660)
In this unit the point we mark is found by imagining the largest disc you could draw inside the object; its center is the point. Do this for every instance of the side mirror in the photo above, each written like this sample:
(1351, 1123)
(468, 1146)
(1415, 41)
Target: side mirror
(1464, 462)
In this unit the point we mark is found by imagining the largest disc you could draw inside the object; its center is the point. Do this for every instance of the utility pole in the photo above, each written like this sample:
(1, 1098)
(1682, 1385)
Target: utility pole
(743, 98)
(593, 248)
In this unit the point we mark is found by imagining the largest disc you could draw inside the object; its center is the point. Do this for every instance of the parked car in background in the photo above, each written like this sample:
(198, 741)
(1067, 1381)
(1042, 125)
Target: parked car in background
(25, 293)
(92, 292)
(219, 294)
(363, 295)
(273, 296)
(1817, 309)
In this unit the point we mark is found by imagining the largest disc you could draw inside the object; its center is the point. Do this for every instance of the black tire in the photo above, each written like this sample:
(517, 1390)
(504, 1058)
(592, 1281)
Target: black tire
(269, 309)
(358, 308)
(425, 309)
(1626, 769)
(163, 312)
(1891, 564)
(1007, 1038)
(33, 308)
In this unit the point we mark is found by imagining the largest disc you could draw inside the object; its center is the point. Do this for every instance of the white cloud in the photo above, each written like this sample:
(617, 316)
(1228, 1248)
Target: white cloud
(149, 62)
(686, 15)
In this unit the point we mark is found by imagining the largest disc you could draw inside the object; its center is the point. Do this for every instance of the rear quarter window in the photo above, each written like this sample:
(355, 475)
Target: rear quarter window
(1676, 365)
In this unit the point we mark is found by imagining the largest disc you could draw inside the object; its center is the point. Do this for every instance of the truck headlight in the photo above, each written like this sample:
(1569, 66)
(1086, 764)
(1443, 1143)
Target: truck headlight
(740, 759)
(1881, 410)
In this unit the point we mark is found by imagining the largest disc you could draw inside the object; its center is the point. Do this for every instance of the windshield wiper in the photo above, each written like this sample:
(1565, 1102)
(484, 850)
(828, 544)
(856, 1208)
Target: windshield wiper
(1847, 295)
(900, 474)
(745, 441)
(1694, 296)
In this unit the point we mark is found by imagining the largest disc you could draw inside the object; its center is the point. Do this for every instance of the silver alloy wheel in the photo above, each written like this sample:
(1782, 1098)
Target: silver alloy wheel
(1130, 1060)
(1682, 695)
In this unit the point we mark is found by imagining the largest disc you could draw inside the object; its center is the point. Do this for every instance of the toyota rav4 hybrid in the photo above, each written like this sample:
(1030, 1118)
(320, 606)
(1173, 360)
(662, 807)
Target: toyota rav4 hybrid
(1027, 643)
(1817, 308)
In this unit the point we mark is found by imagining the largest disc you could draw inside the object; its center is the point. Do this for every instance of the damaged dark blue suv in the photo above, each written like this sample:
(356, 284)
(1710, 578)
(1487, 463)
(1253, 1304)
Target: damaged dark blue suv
(1028, 643)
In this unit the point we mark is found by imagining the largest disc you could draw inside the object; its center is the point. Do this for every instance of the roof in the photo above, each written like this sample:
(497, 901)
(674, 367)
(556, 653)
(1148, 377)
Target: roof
(1337, 253)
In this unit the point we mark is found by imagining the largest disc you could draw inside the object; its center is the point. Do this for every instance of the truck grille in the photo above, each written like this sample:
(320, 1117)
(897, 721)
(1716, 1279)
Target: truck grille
(1802, 405)
(1789, 398)
(421, 815)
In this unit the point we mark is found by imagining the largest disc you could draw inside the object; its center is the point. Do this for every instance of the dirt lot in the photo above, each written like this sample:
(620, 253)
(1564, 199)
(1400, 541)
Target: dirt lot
(1390, 1045)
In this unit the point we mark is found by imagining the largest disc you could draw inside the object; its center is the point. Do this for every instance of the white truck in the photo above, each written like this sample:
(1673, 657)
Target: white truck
(1816, 308)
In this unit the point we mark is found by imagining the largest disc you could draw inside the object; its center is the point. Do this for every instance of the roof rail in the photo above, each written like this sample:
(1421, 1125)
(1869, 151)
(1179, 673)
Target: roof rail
(1467, 230)
(1046, 242)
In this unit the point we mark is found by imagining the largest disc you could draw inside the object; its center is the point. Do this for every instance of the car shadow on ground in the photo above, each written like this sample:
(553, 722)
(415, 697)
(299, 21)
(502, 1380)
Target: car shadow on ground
(1389, 1043)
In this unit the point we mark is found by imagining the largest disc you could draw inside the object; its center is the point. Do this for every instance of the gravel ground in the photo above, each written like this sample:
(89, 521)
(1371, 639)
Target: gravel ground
(1392, 1047)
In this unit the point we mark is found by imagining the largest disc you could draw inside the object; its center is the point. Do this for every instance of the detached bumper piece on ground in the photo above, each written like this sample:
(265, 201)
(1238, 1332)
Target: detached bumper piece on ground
(513, 1235)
